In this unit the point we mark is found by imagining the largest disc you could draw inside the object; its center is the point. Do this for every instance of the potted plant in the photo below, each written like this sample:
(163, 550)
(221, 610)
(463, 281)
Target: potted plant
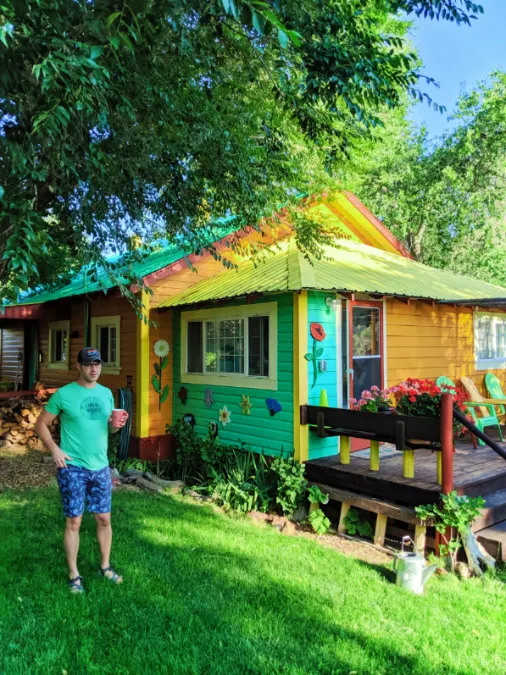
(373, 400)
(422, 398)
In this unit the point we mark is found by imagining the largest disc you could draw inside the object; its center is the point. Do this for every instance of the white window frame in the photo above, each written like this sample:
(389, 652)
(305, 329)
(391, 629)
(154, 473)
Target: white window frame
(111, 321)
(496, 362)
(269, 309)
(54, 326)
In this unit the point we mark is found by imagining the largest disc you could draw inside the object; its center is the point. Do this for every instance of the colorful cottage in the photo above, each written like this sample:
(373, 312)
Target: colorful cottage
(249, 346)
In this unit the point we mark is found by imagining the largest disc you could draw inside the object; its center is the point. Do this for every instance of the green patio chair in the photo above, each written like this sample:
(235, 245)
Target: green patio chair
(477, 404)
(488, 416)
(493, 386)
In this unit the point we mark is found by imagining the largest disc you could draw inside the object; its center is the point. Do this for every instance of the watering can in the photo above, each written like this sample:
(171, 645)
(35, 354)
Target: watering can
(411, 570)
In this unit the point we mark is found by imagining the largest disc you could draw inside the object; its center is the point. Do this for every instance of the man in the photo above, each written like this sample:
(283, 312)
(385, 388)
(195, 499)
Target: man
(85, 411)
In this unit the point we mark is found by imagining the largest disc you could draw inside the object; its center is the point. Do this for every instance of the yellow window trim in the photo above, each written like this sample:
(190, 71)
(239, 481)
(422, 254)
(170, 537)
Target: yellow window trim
(58, 365)
(96, 322)
(269, 309)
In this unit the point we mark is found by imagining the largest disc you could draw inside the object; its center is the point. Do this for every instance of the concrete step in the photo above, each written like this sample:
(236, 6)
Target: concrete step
(493, 512)
(493, 540)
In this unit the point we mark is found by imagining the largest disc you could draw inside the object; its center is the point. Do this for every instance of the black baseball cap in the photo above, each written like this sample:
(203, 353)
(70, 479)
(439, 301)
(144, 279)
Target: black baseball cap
(88, 355)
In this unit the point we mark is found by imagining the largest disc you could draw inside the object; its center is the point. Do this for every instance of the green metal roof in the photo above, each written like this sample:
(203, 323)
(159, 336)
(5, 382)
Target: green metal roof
(350, 266)
(81, 283)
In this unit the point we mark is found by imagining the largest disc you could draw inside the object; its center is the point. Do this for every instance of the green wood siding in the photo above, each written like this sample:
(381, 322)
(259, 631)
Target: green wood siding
(318, 312)
(259, 430)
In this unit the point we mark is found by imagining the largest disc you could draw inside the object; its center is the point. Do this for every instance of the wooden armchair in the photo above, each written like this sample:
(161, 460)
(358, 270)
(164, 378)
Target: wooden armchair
(482, 410)
(485, 406)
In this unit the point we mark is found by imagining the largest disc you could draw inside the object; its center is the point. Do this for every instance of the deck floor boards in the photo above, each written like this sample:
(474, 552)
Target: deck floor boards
(476, 472)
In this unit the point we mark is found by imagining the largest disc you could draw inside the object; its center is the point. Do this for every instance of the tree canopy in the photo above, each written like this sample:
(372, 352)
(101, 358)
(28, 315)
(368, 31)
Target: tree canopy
(159, 116)
(444, 198)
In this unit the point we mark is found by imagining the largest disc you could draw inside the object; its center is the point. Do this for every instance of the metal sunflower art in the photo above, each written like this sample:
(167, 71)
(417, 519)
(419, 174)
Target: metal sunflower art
(161, 349)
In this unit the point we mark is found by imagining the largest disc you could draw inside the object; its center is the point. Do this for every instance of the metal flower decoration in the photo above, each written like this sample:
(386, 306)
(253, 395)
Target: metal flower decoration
(245, 405)
(224, 416)
(161, 348)
(318, 334)
(208, 398)
(273, 405)
(317, 331)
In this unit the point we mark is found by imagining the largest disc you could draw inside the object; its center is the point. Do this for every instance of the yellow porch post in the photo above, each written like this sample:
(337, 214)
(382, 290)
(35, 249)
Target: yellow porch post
(300, 328)
(142, 353)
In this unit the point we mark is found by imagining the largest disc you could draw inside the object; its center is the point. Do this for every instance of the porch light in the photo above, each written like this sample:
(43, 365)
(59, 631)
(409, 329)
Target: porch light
(332, 303)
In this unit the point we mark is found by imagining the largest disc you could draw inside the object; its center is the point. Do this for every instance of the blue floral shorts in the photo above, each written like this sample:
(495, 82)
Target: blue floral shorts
(76, 482)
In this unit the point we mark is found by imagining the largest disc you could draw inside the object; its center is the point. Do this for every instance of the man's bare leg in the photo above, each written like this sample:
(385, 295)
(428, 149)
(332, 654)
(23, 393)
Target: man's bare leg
(104, 538)
(71, 545)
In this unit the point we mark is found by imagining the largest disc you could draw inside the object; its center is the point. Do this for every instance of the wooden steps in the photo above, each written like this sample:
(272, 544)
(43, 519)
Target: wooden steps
(493, 540)
(490, 526)
(493, 512)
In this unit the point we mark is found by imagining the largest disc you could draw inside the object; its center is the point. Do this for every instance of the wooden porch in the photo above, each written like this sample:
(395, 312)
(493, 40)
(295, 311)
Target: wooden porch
(477, 471)
(391, 479)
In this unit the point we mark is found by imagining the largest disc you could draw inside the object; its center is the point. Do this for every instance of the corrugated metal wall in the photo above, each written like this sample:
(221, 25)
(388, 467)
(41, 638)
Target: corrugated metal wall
(11, 343)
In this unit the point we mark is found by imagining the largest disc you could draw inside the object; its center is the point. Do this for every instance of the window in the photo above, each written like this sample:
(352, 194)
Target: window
(105, 331)
(490, 340)
(236, 343)
(59, 332)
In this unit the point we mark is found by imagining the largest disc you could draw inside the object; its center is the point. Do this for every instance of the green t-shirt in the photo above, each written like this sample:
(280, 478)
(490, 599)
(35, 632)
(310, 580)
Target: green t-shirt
(84, 415)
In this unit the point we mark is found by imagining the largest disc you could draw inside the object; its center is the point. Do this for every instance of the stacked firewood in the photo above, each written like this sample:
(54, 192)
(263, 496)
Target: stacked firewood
(18, 417)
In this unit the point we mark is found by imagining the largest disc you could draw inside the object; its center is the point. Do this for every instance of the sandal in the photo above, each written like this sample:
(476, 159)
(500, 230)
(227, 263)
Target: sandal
(76, 587)
(116, 578)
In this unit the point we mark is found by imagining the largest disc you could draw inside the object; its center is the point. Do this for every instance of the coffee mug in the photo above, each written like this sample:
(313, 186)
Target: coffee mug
(118, 414)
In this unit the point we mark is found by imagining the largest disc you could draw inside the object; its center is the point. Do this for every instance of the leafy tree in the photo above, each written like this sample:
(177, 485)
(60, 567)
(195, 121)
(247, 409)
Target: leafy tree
(444, 199)
(158, 116)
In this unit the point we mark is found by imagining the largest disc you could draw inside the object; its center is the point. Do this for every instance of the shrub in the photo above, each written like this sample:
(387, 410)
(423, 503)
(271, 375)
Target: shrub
(452, 519)
(318, 520)
(291, 484)
(355, 525)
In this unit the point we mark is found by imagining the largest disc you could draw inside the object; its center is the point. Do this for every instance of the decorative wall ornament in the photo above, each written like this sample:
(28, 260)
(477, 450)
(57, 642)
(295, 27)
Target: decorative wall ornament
(189, 418)
(208, 398)
(317, 331)
(245, 405)
(224, 416)
(183, 394)
(213, 429)
(318, 334)
(161, 349)
(273, 405)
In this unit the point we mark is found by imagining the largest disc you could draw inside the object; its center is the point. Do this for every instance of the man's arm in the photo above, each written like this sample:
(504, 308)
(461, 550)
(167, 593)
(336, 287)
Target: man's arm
(42, 431)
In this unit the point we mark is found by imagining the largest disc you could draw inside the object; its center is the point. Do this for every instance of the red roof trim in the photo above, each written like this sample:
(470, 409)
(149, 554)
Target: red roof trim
(23, 312)
(377, 224)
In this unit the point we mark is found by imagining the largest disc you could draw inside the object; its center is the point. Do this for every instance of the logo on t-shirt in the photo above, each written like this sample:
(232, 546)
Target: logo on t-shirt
(92, 408)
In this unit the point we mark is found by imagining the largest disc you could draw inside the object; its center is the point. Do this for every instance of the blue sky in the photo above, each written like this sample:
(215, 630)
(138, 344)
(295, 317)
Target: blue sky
(458, 56)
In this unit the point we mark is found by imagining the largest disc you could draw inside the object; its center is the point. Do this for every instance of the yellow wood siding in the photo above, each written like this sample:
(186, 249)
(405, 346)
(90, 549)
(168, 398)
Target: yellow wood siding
(428, 341)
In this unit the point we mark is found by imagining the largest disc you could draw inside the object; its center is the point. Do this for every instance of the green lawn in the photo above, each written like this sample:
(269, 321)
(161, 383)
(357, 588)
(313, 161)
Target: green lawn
(206, 593)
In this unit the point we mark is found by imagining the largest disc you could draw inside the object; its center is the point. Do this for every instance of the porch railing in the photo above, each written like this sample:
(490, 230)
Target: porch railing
(407, 433)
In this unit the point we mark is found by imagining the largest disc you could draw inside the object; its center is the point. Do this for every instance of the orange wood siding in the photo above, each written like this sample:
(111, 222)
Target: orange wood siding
(426, 341)
(160, 417)
(180, 276)
(111, 304)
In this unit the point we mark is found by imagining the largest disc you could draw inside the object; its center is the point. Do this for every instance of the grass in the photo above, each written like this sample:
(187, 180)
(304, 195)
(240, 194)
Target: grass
(207, 593)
